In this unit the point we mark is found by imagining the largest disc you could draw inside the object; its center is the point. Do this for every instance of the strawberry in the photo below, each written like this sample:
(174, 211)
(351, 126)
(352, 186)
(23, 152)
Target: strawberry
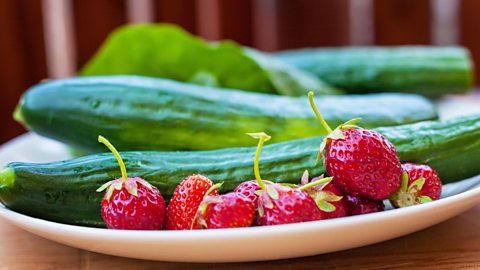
(248, 189)
(289, 205)
(281, 204)
(328, 198)
(131, 203)
(231, 210)
(185, 201)
(420, 184)
(361, 206)
(362, 162)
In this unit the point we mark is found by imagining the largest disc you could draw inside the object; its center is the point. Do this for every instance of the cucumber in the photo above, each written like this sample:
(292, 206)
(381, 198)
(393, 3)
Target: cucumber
(430, 71)
(65, 191)
(139, 113)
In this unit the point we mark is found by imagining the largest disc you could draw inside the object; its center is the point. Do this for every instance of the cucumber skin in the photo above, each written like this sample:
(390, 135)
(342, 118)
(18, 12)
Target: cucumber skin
(139, 113)
(65, 191)
(431, 71)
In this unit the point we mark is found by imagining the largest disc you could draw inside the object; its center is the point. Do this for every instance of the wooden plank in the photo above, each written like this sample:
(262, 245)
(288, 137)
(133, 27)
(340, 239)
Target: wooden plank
(208, 19)
(94, 20)
(22, 58)
(307, 23)
(179, 12)
(361, 23)
(265, 25)
(231, 20)
(401, 22)
(470, 32)
(60, 48)
(236, 21)
(140, 11)
(445, 18)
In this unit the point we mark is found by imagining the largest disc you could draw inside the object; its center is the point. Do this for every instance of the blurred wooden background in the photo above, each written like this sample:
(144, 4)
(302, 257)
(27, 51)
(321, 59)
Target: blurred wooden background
(52, 38)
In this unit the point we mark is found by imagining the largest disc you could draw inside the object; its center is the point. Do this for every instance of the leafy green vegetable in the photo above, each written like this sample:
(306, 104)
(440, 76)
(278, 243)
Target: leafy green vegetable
(167, 51)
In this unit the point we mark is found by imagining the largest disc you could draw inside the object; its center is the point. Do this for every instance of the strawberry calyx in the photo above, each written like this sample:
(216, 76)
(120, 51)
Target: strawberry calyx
(130, 184)
(408, 194)
(335, 134)
(317, 183)
(315, 187)
(202, 208)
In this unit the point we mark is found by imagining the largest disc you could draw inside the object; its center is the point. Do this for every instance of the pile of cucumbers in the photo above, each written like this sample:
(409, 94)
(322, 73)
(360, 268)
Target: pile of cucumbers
(170, 126)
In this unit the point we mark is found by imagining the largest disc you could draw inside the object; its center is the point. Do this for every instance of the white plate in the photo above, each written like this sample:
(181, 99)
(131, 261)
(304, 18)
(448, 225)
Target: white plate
(234, 245)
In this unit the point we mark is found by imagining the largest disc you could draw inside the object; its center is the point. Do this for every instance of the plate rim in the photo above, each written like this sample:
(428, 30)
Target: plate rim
(472, 194)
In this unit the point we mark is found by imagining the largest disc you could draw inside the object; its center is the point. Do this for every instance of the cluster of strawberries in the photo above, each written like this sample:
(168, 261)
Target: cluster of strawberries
(363, 166)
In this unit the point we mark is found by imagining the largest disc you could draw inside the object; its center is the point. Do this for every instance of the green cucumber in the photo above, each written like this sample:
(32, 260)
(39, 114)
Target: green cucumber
(139, 113)
(65, 191)
(431, 71)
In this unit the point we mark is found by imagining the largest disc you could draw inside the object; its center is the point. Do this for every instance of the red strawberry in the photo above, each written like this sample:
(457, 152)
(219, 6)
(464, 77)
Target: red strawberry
(185, 201)
(248, 189)
(361, 206)
(280, 204)
(231, 210)
(420, 184)
(131, 203)
(362, 162)
(125, 211)
(328, 198)
(289, 205)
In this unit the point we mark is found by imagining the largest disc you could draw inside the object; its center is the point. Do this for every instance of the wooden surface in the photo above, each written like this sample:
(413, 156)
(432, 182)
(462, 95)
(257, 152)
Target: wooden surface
(454, 244)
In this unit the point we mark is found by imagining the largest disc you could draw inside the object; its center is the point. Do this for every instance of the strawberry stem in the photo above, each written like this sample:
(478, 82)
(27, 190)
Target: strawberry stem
(211, 189)
(404, 185)
(317, 113)
(103, 140)
(316, 183)
(262, 138)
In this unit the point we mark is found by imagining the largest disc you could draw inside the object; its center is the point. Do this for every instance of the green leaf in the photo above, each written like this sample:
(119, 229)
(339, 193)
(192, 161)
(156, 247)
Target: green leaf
(261, 210)
(117, 184)
(267, 202)
(289, 80)
(167, 51)
(404, 186)
(109, 192)
(205, 78)
(424, 199)
(104, 186)
(259, 192)
(305, 178)
(317, 182)
(272, 192)
(202, 208)
(260, 135)
(337, 134)
(325, 206)
(290, 185)
(416, 186)
(131, 187)
(332, 197)
(351, 122)
(320, 151)
(145, 183)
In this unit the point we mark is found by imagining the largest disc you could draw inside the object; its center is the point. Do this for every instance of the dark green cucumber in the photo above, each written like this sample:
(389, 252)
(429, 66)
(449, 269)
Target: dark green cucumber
(425, 70)
(65, 191)
(139, 113)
